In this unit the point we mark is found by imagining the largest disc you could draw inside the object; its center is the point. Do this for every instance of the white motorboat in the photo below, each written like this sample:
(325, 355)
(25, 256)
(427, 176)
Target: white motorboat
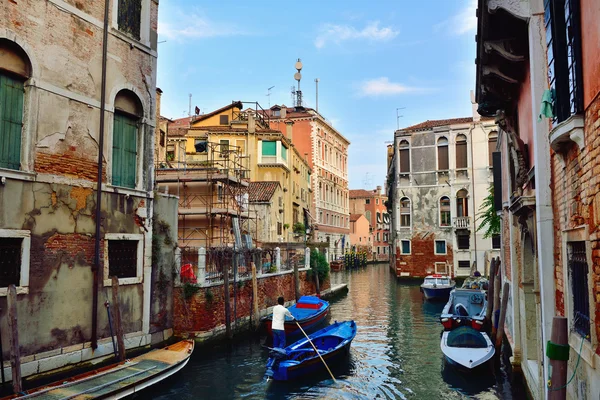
(437, 287)
(467, 347)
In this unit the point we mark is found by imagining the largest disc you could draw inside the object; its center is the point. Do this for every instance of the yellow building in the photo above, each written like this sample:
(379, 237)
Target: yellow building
(237, 143)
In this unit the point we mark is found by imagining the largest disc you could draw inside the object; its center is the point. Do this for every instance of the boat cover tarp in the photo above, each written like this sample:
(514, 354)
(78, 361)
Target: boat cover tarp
(465, 336)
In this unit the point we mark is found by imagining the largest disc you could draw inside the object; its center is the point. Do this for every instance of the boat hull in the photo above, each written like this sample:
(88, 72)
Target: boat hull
(437, 293)
(466, 357)
(295, 367)
(307, 318)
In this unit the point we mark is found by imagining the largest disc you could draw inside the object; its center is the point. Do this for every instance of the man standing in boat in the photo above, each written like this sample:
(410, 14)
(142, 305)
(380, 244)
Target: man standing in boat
(279, 313)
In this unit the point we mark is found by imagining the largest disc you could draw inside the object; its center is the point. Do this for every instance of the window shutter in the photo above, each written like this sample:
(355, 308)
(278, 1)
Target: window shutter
(405, 160)
(461, 154)
(443, 158)
(269, 148)
(11, 122)
(124, 151)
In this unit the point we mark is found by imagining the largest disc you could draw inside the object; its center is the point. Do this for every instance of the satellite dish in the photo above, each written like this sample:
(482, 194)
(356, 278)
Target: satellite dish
(298, 65)
(297, 76)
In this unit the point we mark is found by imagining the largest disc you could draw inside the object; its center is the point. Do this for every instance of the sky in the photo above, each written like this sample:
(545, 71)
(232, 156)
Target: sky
(371, 58)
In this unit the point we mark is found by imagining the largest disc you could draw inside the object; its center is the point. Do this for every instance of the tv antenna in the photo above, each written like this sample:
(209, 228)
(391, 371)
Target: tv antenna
(368, 180)
(317, 85)
(298, 77)
(269, 95)
(398, 117)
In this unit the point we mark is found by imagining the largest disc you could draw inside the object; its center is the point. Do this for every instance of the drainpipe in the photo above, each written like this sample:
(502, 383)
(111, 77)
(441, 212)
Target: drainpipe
(96, 267)
(473, 195)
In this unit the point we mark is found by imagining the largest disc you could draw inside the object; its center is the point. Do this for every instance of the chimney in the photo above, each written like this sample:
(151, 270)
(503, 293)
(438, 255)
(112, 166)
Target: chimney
(378, 190)
(474, 106)
(283, 111)
(251, 123)
(288, 129)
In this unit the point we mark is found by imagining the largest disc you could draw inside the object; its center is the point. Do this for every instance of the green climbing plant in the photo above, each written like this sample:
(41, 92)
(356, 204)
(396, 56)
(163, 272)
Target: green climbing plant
(318, 264)
(489, 221)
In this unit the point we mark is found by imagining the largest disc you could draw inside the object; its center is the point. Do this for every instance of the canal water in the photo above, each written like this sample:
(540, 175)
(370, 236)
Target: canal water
(395, 355)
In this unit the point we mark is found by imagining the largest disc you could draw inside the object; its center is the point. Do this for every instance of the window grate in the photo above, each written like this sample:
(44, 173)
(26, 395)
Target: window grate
(10, 261)
(463, 242)
(122, 258)
(578, 268)
(464, 264)
(496, 242)
(130, 17)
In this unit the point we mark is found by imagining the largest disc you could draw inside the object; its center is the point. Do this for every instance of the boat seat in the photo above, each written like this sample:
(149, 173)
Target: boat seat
(461, 310)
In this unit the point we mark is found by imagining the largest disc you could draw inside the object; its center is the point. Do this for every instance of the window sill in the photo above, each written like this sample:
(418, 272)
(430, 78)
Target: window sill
(124, 281)
(20, 290)
(567, 131)
(587, 352)
(127, 191)
(17, 174)
(145, 47)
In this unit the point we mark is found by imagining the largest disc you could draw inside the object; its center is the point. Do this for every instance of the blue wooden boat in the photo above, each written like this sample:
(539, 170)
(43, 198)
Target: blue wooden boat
(437, 287)
(299, 359)
(309, 311)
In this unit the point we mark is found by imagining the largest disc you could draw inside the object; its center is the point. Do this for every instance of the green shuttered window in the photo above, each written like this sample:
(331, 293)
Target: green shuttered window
(124, 154)
(269, 148)
(11, 122)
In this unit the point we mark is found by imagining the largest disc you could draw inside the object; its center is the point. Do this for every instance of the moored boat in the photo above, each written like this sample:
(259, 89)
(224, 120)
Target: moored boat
(309, 311)
(437, 287)
(299, 359)
(118, 380)
(467, 347)
(465, 307)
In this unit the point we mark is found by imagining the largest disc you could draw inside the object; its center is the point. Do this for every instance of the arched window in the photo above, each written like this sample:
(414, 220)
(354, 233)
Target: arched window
(128, 113)
(492, 142)
(405, 212)
(368, 215)
(15, 69)
(445, 211)
(461, 151)
(462, 204)
(442, 153)
(404, 153)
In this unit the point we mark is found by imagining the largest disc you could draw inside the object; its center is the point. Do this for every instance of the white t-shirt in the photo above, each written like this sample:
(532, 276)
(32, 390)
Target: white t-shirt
(279, 313)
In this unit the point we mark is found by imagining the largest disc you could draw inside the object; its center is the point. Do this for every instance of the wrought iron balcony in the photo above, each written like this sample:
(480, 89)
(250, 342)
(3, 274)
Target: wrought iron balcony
(461, 222)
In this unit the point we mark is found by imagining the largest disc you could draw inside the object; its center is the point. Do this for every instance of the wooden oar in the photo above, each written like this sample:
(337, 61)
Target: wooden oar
(316, 351)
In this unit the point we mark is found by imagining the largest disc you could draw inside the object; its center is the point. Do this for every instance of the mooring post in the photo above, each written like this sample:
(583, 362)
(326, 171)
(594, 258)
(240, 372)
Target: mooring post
(117, 316)
(557, 350)
(490, 294)
(497, 286)
(500, 330)
(15, 354)
(254, 292)
(226, 299)
(278, 259)
(316, 272)
(202, 266)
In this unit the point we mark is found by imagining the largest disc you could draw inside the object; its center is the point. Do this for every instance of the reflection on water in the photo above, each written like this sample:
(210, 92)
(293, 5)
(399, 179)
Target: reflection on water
(395, 355)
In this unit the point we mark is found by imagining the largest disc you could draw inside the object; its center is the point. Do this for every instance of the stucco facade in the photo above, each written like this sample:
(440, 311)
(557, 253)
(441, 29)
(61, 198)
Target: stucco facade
(438, 176)
(372, 204)
(49, 179)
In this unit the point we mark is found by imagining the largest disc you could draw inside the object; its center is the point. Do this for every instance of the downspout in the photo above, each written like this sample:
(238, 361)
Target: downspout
(96, 267)
(473, 195)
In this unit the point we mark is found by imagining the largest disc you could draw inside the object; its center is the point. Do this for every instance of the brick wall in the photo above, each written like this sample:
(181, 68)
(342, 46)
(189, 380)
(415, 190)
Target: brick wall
(421, 260)
(198, 314)
(68, 165)
(576, 197)
(506, 245)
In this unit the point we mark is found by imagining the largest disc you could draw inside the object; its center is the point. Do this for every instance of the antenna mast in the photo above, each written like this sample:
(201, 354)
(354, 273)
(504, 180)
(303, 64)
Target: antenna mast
(190, 107)
(298, 77)
(317, 85)
(269, 95)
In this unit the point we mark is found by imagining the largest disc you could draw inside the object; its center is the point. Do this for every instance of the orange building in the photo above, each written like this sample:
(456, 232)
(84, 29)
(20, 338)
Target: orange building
(360, 235)
(371, 204)
(327, 153)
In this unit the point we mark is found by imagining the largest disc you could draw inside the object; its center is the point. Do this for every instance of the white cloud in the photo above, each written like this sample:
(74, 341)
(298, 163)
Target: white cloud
(383, 87)
(331, 33)
(194, 25)
(463, 22)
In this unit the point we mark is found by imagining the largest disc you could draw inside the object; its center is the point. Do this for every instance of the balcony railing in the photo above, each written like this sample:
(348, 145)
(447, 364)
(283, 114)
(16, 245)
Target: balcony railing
(461, 222)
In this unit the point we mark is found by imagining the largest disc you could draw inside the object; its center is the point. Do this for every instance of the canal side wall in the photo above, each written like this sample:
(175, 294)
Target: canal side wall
(203, 313)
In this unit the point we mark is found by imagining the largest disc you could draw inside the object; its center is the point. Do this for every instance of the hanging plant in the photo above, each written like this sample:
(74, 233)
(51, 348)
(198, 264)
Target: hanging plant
(488, 218)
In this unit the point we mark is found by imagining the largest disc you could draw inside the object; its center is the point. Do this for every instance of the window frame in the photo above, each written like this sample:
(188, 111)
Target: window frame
(435, 243)
(138, 144)
(144, 24)
(576, 295)
(492, 142)
(404, 148)
(458, 241)
(139, 278)
(409, 213)
(439, 147)
(402, 241)
(435, 268)
(25, 235)
(462, 141)
(499, 239)
(449, 211)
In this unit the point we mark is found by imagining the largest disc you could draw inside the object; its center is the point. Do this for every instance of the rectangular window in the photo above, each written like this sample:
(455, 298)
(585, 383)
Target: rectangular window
(578, 271)
(10, 261)
(11, 122)
(440, 247)
(201, 145)
(496, 242)
(461, 154)
(224, 145)
(162, 138)
(279, 228)
(124, 165)
(224, 119)
(445, 212)
(368, 201)
(241, 146)
(405, 213)
(378, 236)
(492, 143)
(463, 242)
(130, 17)
(441, 268)
(405, 246)
(404, 160)
(122, 258)
(284, 152)
(269, 148)
(464, 264)
(376, 201)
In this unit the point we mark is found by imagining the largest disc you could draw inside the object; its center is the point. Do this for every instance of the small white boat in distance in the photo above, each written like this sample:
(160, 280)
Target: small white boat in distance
(467, 347)
(437, 287)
